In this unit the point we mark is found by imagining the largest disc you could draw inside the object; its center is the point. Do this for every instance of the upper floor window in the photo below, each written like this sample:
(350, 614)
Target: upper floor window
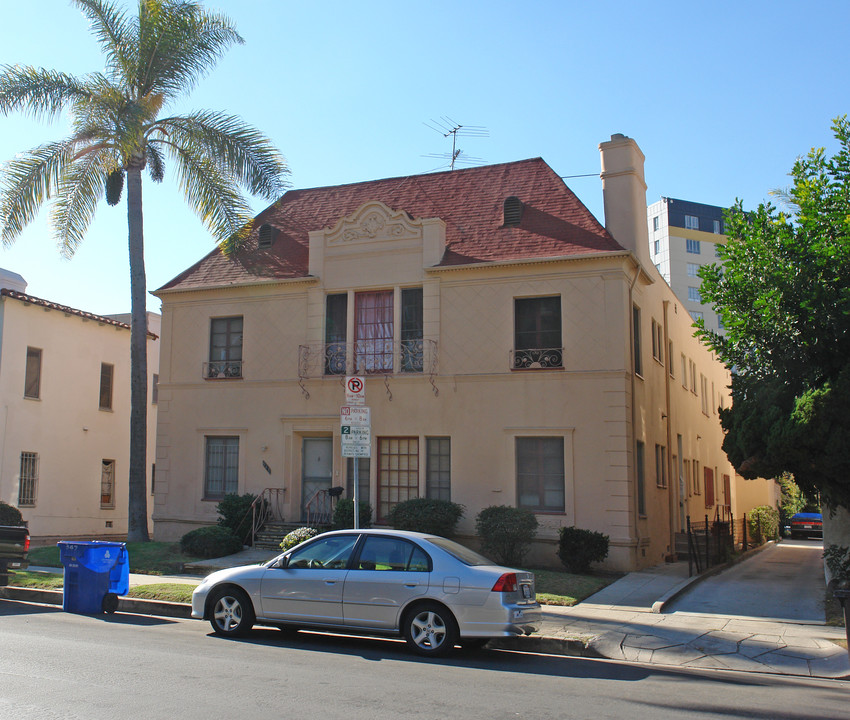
(693, 295)
(657, 341)
(696, 315)
(336, 317)
(412, 351)
(691, 222)
(537, 333)
(373, 332)
(221, 466)
(693, 270)
(540, 473)
(155, 389)
(655, 223)
(717, 227)
(32, 379)
(225, 347)
(692, 246)
(661, 466)
(636, 340)
(656, 247)
(106, 372)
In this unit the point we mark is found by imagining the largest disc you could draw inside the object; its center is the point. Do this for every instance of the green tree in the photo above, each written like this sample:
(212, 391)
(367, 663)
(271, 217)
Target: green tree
(782, 291)
(119, 129)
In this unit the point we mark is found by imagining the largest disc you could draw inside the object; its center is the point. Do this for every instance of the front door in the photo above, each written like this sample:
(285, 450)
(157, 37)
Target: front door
(316, 473)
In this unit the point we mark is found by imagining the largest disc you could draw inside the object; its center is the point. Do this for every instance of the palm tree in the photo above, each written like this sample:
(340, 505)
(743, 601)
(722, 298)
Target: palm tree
(118, 130)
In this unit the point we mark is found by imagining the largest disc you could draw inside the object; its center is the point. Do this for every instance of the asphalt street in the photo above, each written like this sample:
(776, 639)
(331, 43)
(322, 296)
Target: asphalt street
(58, 665)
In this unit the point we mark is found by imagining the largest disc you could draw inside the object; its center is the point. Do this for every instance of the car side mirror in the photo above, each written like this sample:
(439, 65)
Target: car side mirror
(283, 563)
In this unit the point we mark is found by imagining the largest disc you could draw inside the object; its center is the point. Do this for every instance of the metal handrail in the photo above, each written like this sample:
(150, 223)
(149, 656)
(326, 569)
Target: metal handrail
(266, 507)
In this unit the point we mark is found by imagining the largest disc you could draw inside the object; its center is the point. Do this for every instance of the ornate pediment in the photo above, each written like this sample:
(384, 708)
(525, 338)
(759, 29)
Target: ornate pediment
(374, 222)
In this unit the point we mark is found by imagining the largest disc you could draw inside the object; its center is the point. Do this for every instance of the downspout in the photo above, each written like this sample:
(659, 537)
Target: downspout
(631, 325)
(672, 488)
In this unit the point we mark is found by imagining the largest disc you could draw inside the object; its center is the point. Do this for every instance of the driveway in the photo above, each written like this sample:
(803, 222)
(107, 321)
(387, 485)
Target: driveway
(784, 582)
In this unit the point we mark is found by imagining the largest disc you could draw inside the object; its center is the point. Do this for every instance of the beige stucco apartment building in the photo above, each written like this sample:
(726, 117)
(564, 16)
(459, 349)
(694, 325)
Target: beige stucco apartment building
(65, 414)
(516, 352)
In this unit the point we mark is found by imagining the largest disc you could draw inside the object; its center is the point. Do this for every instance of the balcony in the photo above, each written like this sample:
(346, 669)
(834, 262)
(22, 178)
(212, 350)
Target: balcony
(223, 370)
(367, 357)
(537, 359)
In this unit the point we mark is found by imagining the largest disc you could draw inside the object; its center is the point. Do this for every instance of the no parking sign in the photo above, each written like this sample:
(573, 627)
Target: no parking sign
(355, 390)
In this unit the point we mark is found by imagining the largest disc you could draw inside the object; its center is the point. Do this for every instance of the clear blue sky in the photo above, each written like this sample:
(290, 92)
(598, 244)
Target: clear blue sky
(720, 96)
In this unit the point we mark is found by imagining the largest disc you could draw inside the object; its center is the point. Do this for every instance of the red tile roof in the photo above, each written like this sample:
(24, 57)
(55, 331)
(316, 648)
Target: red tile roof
(555, 223)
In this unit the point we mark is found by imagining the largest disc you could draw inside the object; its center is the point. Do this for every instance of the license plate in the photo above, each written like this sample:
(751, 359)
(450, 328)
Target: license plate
(526, 591)
(807, 527)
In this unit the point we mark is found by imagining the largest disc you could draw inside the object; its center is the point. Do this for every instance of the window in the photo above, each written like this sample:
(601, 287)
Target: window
(363, 470)
(107, 484)
(32, 380)
(697, 489)
(717, 227)
(153, 478)
(391, 554)
(221, 467)
(411, 330)
(720, 324)
(693, 295)
(692, 246)
(639, 475)
(661, 466)
(537, 333)
(154, 389)
(540, 473)
(656, 247)
(686, 467)
(691, 222)
(693, 270)
(106, 372)
(438, 468)
(398, 472)
(373, 332)
(684, 371)
(655, 223)
(329, 553)
(336, 314)
(670, 361)
(28, 482)
(709, 486)
(696, 315)
(657, 342)
(225, 348)
(693, 368)
(636, 339)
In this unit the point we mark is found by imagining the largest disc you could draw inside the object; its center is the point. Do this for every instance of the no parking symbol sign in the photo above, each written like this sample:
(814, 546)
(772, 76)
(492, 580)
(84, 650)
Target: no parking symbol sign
(355, 390)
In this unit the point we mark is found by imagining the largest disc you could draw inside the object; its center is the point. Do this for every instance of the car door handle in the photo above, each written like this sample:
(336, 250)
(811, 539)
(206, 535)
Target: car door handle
(411, 585)
(329, 581)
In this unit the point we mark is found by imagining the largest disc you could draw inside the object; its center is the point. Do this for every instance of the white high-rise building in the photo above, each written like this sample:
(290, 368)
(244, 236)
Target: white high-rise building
(683, 236)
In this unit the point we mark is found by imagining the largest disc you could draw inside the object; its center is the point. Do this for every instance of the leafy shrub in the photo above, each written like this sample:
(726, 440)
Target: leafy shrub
(578, 548)
(763, 523)
(235, 513)
(344, 514)
(10, 515)
(434, 517)
(838, 561)
(211, 541)
(296, 537)
(506, 532)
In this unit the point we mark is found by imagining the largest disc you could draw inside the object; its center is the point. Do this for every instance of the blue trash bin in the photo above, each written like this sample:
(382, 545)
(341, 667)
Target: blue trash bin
(96, 573)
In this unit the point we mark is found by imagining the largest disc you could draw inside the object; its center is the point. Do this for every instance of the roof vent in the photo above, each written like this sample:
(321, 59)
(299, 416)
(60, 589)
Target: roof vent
(266, 237)
(512, 212)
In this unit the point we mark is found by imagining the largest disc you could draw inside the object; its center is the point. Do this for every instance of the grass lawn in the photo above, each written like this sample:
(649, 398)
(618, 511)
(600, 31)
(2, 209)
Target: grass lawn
(556, 587)
(150, 558)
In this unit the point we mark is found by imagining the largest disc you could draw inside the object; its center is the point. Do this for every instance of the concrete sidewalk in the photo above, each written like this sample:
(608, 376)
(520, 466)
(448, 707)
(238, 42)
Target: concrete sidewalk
(624, 621)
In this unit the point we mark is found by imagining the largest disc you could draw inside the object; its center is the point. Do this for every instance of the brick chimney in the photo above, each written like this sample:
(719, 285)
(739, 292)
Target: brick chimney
(624, 195)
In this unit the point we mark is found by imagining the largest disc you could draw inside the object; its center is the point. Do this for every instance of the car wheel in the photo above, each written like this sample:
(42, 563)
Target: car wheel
(232, 613)
(430, 630)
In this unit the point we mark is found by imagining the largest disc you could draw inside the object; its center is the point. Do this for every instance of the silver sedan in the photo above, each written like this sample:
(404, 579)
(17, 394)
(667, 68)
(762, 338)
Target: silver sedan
(433, 591)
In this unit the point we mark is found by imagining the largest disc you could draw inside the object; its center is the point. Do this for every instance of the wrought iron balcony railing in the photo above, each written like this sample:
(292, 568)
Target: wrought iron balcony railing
(537, 358)
(223, 370)
(367, 357)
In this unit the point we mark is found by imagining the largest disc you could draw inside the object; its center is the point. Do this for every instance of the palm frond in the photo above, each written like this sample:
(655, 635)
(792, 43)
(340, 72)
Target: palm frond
(27, 181)
(180, 43)
(156, 163)
(81, 187)
(116, 35)
(214, 197)
(240, 151)
(40, 93)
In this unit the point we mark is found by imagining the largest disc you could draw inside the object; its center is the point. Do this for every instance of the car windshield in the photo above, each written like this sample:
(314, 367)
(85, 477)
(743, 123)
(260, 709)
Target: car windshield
(458, 551)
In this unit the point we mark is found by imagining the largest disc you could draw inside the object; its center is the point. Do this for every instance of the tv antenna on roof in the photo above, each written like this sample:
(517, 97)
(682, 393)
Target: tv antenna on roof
(446, 126)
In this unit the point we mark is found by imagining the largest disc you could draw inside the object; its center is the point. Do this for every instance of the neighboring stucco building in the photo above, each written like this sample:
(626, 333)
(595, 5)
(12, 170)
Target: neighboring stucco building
(516, 352)
(683, 236)
(64, 421)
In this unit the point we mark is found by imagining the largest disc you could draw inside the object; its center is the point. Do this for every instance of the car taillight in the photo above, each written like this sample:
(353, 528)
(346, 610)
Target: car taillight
(27, 544)
(506, 583)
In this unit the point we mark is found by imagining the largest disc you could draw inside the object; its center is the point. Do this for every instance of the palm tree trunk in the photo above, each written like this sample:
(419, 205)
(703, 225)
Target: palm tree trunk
(137, 519)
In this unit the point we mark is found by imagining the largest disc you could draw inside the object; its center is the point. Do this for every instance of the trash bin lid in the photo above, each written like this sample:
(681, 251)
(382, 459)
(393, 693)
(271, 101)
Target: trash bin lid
(96, 555)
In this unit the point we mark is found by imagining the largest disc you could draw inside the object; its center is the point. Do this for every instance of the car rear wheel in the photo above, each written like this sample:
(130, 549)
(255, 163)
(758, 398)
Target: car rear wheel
(232, 613)
(430, 630)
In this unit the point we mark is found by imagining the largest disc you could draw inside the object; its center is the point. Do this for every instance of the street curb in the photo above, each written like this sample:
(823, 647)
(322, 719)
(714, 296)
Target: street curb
(137, 606)
(659, 605)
